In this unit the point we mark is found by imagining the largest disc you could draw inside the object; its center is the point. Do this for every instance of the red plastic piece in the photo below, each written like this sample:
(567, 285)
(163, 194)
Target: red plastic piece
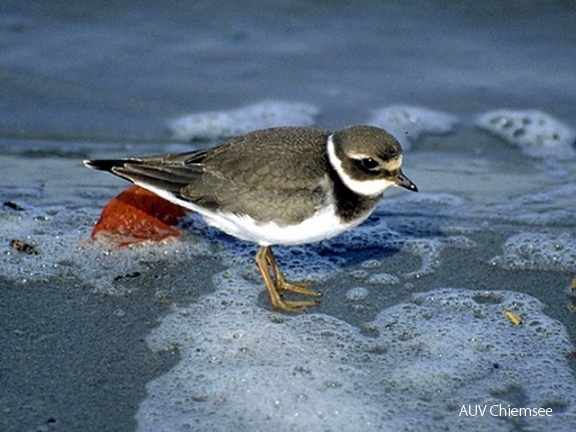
(137, 215)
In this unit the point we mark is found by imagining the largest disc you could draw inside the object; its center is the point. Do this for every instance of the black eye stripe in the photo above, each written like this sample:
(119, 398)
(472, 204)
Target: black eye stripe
(367, 164)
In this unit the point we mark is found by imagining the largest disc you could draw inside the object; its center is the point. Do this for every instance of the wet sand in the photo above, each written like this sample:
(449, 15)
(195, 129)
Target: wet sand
(78, 79)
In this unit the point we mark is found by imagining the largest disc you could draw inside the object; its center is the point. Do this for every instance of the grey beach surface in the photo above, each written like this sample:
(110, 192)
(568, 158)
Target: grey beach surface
(413, 323)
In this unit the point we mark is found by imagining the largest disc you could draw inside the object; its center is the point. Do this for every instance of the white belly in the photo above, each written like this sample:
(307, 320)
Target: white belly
(322, 225)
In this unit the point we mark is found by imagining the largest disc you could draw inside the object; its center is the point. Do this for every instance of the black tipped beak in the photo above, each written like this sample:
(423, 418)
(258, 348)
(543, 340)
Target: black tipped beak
(405, 182)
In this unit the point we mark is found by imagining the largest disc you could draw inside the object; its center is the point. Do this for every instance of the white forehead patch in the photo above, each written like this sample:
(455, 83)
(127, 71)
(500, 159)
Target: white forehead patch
(394, 164)
(361, 187)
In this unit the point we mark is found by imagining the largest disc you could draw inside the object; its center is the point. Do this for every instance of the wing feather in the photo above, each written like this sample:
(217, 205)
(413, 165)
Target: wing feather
(286, 165)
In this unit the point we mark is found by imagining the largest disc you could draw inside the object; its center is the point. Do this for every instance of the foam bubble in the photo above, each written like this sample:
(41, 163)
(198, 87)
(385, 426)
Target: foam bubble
(429, 251)
(225, 124)
(408, 123)
(417, 362)
(536, 133)
(383, 279)
(538, 251)
(357, 294)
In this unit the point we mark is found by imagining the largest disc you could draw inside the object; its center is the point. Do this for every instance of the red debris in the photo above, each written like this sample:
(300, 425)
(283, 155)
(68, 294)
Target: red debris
(137, 215)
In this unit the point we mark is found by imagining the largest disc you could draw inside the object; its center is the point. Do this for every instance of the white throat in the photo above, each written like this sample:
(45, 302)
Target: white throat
(361, 187)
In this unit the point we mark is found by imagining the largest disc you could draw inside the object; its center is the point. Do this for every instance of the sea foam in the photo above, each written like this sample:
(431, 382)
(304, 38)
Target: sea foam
(224, 124)
(408, 123)
(245, 369)
(536, 133)
(538, 251)
(60, 236)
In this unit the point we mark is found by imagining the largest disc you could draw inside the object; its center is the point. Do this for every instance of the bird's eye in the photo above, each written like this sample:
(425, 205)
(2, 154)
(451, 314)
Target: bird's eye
(369, 164)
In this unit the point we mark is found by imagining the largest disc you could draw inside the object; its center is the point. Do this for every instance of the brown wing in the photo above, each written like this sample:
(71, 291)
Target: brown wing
(244, 175)
(249, 173)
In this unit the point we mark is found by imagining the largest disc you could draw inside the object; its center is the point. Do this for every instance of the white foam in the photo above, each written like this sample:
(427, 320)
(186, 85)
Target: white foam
(538, 251)
(407, 123)
(383, 279)
(366, 236)
(61, 237)
(357, 294)
(243, 368)
(358, 298)
(303, 263)
(429, 251)
(225, 124)
(536, 133)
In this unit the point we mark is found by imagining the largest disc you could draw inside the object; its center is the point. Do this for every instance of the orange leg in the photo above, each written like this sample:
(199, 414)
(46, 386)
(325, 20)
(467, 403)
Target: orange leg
(266, 262)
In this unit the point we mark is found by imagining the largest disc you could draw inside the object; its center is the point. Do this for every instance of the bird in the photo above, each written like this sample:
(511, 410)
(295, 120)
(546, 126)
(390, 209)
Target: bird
(285, 185)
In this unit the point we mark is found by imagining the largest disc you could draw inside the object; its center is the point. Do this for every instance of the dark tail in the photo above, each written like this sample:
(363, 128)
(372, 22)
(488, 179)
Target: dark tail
(152, 173)
(107, 164)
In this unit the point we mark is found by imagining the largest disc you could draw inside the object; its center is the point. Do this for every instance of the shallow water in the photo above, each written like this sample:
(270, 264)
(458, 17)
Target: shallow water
(412, 326)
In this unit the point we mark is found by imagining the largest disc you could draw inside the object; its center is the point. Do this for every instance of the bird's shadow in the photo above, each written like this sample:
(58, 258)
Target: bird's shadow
(381, 236)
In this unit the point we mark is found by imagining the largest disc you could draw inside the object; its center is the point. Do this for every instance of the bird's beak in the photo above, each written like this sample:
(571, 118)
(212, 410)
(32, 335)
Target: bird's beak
(403, 181)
